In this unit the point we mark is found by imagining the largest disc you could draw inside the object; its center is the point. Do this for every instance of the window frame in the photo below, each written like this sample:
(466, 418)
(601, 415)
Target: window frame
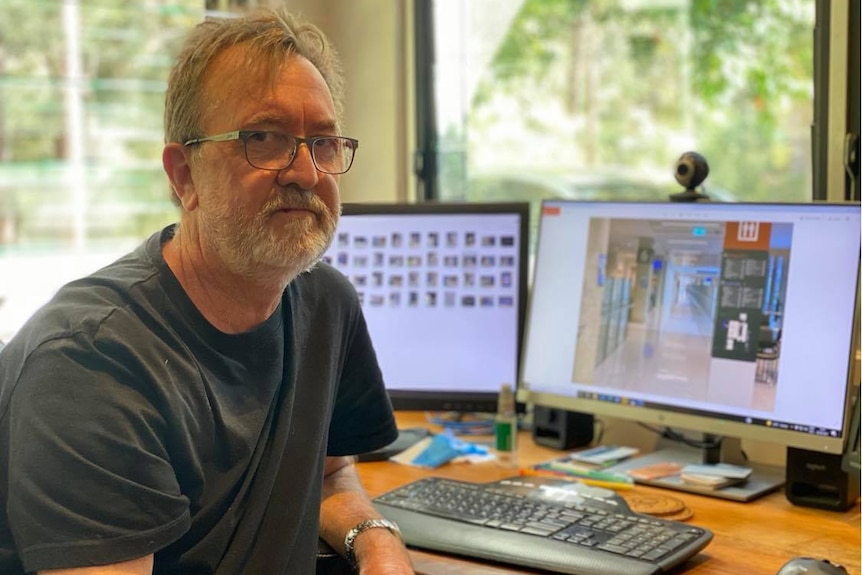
(834, 133)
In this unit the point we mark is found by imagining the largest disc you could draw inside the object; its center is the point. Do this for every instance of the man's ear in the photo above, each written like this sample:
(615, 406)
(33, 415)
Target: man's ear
(175, 160)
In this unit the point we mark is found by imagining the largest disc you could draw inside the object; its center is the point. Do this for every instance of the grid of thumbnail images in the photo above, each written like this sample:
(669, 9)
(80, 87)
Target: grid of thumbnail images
(433, 269)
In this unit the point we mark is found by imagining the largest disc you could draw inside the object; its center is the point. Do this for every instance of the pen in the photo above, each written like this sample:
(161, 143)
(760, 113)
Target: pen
(527, 472)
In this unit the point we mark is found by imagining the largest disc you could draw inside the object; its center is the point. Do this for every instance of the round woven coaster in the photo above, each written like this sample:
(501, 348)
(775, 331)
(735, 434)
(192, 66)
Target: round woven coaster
(660, 505)
(683, 515)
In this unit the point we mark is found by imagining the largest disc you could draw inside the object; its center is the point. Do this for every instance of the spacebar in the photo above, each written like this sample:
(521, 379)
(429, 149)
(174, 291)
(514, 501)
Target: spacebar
(479, 542)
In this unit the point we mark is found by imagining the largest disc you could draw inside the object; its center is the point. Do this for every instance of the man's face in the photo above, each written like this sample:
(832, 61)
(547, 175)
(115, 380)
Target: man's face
(261, 221)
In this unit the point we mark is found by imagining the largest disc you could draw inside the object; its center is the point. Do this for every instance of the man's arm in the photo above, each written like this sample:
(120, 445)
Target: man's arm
(140, 566)
(344, 504)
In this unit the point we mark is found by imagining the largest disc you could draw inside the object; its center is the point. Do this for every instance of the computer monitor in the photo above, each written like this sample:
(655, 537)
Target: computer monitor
(443, 288)
(733, 319)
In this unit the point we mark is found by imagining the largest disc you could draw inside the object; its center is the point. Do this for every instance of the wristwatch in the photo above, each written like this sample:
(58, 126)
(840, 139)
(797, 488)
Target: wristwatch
(351, 536)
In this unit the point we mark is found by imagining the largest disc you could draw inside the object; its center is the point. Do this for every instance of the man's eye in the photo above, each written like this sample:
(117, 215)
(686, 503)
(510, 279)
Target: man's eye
(327, 145)
(260, 136)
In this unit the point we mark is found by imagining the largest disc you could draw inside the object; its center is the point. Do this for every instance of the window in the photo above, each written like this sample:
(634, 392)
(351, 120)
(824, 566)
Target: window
(530, 99)
(231, 5)
(81, 103)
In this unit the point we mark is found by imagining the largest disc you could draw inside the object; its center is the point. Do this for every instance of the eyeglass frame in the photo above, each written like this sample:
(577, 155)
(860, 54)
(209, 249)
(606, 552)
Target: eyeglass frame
(243, 135)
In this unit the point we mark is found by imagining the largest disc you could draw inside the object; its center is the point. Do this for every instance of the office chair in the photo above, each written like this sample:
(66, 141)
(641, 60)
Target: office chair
(329, 562)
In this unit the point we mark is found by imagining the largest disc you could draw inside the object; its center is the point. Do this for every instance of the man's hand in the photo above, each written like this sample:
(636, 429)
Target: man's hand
(344, 505)
(380, 552)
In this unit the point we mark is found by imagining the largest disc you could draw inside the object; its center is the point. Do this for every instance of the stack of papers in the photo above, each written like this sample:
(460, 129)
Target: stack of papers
(603, 455)
(714, 475)
(587, 467)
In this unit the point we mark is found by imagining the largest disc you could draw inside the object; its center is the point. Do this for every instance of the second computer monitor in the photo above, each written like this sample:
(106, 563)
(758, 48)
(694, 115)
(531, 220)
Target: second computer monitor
(443, 290)
(735, 319)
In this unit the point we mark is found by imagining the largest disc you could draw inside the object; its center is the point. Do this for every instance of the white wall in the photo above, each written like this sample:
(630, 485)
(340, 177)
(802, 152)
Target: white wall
(374, 39)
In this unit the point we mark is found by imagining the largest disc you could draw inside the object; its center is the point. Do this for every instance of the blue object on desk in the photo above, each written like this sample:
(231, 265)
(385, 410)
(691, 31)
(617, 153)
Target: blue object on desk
(445, 447)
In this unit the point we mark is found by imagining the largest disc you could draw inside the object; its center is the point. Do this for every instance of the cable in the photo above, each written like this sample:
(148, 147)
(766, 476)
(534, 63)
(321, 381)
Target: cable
(673, 435)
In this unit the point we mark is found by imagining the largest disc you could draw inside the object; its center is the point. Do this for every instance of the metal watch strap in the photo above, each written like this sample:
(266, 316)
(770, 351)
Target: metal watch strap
(351, 536)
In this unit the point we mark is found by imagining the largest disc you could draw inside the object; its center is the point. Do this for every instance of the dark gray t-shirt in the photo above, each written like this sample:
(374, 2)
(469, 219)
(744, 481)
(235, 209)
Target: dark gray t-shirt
(129, 425)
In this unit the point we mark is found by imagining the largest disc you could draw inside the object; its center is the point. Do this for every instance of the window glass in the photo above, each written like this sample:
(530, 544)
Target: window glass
(599, 99)
(81, 101)
(216, 6)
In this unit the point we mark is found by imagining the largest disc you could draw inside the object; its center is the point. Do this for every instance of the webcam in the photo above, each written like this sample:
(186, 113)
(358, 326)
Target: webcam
(690, 172)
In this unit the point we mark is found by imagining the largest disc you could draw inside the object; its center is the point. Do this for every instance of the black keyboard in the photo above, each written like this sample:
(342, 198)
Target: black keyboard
(541, 524)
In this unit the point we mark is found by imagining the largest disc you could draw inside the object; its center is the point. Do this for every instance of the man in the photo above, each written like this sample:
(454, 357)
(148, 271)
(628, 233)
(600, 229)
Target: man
(191, 408)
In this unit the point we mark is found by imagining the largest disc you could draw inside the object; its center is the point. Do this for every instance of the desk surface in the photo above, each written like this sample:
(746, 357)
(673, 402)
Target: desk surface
(754, 538)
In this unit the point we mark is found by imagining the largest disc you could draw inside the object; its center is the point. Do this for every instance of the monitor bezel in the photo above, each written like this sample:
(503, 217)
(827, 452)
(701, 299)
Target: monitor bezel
(688, 421)
(449, 400)
(851, 461)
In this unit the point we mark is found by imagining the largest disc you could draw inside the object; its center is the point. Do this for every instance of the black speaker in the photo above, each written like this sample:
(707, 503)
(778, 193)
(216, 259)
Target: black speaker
(818, 480)
(561, 429)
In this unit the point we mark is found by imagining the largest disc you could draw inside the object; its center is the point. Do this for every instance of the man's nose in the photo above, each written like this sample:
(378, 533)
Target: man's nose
(301, 171)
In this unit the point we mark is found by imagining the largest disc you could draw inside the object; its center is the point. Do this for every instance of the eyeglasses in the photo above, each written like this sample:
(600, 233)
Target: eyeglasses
(276, 151)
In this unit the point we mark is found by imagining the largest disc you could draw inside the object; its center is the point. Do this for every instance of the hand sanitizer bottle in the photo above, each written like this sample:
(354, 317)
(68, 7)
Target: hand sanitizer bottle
(506, 428)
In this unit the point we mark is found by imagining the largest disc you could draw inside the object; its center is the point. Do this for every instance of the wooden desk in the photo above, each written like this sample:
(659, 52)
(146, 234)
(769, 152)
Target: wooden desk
(754, 538)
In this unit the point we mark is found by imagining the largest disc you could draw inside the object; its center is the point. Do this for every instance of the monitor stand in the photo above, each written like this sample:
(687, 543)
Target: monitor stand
(407, 437)
(763, 479)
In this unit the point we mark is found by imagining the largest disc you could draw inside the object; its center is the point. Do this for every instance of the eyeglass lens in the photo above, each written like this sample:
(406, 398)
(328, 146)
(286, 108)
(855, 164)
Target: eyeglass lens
(274, 151)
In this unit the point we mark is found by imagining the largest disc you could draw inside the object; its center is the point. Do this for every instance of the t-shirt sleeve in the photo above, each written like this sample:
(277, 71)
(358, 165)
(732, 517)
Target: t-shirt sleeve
(90, 479)
(362, 419)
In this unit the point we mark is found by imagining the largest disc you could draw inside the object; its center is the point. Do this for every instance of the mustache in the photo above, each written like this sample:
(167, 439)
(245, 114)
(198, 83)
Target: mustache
(295, 201)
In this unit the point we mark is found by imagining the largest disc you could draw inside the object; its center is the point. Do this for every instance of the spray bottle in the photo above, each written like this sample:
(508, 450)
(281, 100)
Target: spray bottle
(506, 428)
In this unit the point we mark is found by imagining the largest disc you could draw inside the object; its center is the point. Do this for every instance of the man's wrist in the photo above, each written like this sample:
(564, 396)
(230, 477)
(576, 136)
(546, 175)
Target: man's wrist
(353, 533)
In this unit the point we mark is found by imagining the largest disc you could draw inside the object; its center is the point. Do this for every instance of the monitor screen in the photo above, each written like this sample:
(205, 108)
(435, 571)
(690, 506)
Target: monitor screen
(723, 318)
(443, 290)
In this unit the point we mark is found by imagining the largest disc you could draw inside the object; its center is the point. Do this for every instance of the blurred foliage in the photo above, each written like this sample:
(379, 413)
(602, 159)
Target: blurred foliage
(630, 82)
(126, 49)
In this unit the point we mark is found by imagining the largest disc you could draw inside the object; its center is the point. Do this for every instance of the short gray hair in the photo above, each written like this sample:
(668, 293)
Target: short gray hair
(269, 34)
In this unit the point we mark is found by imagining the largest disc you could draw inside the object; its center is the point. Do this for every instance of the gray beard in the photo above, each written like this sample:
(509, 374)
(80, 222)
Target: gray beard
(250, 249)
